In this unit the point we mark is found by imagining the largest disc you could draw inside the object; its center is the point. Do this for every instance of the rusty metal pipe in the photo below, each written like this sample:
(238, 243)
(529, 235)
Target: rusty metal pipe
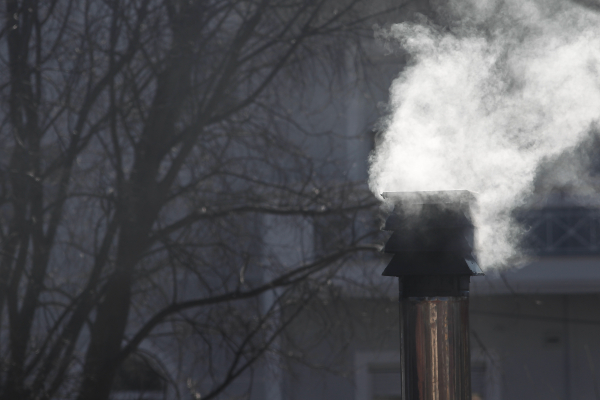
(435, 348)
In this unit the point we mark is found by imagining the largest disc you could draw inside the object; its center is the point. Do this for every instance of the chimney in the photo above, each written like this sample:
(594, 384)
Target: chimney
(432, 244)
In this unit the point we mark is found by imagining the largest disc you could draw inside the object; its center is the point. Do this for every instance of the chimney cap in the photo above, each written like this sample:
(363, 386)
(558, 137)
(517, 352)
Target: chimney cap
(437, 239)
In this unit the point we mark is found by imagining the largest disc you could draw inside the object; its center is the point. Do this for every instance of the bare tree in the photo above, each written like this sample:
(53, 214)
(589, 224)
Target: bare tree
(149, 146)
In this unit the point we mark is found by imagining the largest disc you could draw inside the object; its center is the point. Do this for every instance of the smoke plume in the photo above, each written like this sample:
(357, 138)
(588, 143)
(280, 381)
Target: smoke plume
(501, 89)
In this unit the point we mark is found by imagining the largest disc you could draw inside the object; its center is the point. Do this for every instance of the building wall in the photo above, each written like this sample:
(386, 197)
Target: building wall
(524, 347)
(546, 346)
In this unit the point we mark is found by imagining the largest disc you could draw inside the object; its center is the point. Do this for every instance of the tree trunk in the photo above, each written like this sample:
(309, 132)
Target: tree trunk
(108, 329)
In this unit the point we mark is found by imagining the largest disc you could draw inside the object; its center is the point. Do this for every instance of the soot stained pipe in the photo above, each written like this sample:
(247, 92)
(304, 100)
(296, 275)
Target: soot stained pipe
(432, 243)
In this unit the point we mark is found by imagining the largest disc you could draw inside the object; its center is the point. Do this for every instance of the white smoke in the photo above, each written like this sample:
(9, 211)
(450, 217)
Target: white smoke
(484, 102)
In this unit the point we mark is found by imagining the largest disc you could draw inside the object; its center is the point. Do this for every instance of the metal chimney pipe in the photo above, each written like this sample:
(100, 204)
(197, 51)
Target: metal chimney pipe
(432, 245)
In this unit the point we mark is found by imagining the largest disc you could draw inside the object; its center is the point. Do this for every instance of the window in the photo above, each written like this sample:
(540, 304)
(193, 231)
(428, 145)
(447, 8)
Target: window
(377, 375)
(136, 379)
(485, 375)
(385, 382)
